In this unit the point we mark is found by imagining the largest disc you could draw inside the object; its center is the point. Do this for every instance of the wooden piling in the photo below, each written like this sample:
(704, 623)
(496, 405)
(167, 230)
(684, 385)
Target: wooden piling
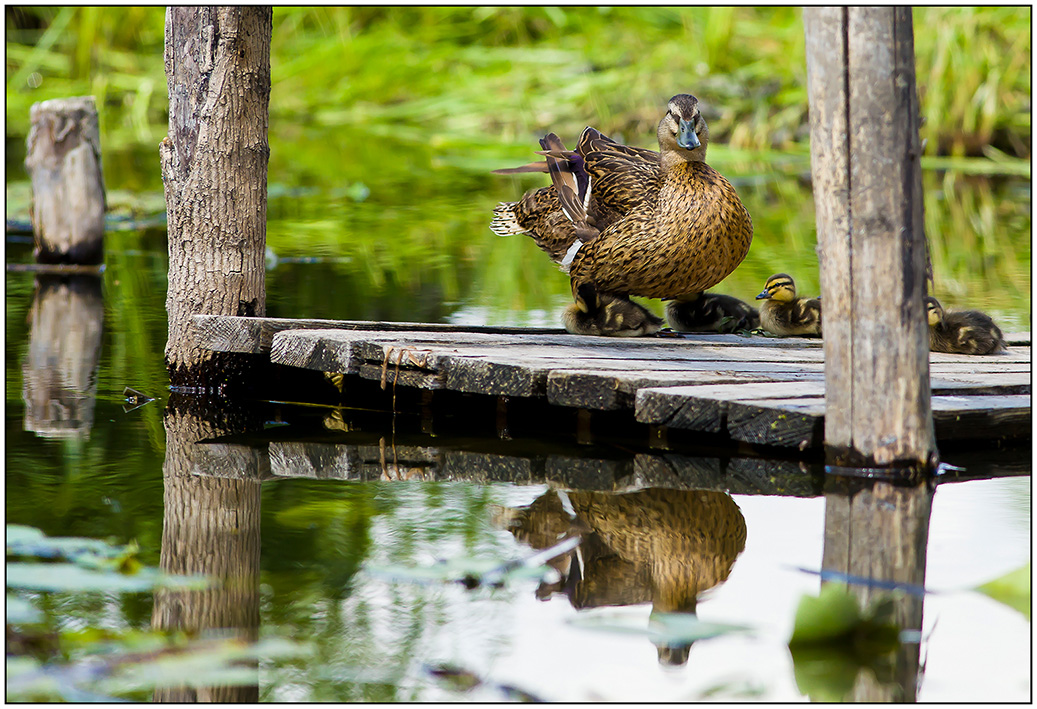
(63, 157)
(866, 171)
(59, 373)
(214, 167)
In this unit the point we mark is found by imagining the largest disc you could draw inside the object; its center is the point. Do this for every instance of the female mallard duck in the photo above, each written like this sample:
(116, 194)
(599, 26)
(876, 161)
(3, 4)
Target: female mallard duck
(629, 221)
(962, 332)
(783, 313)
(711, 312)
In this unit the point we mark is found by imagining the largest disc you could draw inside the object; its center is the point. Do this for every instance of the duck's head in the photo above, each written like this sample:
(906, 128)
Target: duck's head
(683, 130)
(933, 311)
(779, 287)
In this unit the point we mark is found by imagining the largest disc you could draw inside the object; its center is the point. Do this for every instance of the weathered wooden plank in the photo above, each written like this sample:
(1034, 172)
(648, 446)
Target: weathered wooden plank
(789, 423)
(323, 350)
(255, 334)
(479, 376)
(982, 384)
(225, 333)
(612, 390)
(312, 459)
(402, 376)
(702, 408)
(230, 460)
(1014, 355)
(982, 417)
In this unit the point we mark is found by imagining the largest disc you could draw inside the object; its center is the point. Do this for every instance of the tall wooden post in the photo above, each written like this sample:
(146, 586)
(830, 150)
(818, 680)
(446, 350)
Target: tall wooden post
(214, 165)
(865, 153)
(881, 531)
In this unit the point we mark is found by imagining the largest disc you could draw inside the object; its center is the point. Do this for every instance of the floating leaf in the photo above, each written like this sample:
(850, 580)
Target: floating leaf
(457, 678)
(20, 611)
(824, 674)
(72, 577)
(662, 628)
(21, 534)
(79, 549)
(1012, 589)
(830, 616)
(832, 640)
(26, 683)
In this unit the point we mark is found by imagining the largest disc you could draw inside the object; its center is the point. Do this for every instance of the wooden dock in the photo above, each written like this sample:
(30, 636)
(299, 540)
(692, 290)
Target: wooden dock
(757, 390)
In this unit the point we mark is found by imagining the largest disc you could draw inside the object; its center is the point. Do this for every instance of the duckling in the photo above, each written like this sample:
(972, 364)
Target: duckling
(783, 313)
(711, 312)
(963, 331)
(623, 221)
(615, 315)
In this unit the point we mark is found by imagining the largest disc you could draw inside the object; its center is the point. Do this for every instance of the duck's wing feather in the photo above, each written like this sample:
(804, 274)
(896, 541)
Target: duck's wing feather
(623, 176)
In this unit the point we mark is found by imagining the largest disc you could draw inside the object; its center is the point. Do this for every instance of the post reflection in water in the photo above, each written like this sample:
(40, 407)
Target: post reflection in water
(880, 530)
(655, 545)
(211, 527)
(60, 368)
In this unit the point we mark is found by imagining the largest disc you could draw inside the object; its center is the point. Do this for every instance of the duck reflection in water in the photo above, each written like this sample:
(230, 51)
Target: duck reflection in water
(660, 546)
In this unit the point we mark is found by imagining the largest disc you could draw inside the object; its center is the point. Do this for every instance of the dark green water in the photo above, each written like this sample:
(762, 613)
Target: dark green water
(416, 247)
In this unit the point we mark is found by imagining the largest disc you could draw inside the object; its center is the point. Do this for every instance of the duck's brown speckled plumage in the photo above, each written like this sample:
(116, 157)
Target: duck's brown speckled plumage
(783, 314)
(962, 332)
(657, 225)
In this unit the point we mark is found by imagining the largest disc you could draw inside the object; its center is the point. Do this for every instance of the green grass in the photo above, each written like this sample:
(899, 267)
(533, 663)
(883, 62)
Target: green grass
(497, 75)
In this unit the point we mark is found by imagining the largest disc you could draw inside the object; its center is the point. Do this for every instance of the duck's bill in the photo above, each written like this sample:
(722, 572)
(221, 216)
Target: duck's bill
(686, 137)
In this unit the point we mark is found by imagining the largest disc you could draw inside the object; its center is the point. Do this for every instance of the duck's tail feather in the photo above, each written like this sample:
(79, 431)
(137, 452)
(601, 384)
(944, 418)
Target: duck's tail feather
(505, 221)
(569, 176)
(531, 167)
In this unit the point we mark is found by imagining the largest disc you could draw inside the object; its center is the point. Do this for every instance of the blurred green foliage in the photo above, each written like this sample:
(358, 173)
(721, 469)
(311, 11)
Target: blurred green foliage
(493, 75)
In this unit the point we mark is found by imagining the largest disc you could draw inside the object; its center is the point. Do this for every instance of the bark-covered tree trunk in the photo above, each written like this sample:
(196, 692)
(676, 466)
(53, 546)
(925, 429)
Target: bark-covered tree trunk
(210, 527)
(214, 166)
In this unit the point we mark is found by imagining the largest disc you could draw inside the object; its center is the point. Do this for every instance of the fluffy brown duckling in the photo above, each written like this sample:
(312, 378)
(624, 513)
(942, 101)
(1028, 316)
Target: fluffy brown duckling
(626, 221)
(783, 313)
(615, 315)
(711, 312)
(963, 331)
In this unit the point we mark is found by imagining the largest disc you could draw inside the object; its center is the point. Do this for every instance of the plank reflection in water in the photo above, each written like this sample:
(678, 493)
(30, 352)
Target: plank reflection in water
(656, 545)
(880, 530)
(210, 527)
(60, 368)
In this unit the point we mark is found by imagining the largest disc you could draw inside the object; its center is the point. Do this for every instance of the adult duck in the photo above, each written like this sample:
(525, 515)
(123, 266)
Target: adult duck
(626, 221)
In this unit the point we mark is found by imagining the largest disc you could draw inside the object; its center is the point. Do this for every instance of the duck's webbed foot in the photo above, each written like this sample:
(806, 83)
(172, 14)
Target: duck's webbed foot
(610, 316)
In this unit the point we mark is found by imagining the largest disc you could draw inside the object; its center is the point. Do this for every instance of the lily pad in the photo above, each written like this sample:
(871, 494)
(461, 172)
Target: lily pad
(72, 577)
(472, 573)
(664, 628)
(832, 615)
(20, 611)
(1012, 589)
(20, 534)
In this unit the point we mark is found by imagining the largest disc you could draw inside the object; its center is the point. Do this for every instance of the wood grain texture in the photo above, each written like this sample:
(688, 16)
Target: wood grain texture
(867, 182)
(59, 372)
(214, 169)
(755, 392)
(881, 531)
(63, 158)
